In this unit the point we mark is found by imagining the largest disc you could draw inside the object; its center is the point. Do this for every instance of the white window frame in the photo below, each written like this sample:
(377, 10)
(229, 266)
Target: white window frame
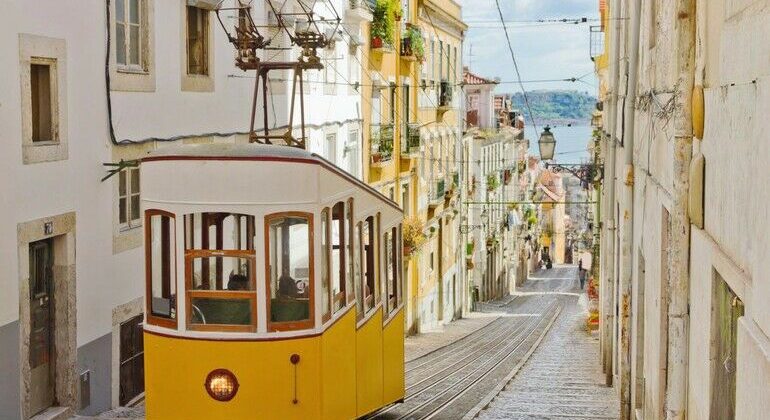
(131, 191)
(140, 25)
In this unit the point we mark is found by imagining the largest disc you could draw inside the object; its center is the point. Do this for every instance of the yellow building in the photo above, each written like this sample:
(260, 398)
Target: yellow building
(412, 66)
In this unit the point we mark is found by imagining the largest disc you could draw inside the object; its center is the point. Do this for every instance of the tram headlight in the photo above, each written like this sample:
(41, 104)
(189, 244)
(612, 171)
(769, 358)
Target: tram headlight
(221, 385)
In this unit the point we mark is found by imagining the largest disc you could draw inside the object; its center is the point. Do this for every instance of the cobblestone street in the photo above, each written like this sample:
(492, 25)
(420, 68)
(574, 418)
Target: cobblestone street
(562, 379)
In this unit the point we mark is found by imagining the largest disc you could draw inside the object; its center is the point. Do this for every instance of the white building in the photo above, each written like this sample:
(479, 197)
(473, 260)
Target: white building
(72, 245)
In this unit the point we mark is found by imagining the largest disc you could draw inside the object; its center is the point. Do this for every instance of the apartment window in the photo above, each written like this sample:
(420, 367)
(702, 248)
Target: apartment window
(352, 151)
(128, 33)
(432, 62)
(330, 148)
(405, 199)
(42, 74)
(128, 199)
(330, 71)
(440, 60)
(197, 41)
(392, 103)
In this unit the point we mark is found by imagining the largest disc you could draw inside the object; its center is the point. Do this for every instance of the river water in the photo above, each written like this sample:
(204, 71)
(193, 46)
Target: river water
(571, 142)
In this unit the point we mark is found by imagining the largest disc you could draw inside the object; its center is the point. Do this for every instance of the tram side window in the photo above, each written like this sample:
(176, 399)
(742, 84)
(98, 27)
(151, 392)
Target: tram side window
(369, 264)
(338, 256)
(290, 272)
(219, 265)
(350, 280)
(398, 270)
(357, 265)
(390, 269)
(326, 297)
(161, 270)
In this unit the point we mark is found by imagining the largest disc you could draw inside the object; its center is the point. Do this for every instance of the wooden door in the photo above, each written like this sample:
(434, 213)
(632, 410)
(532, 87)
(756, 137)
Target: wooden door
(41, 343)
(131, 359)
(727, 309)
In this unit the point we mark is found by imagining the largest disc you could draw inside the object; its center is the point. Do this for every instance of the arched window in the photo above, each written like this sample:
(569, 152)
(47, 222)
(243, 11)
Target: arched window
(351, 275)
(219, 272)
(326, 295)
(370, 285)
(160, 268)
(289, 264)
(392, 243)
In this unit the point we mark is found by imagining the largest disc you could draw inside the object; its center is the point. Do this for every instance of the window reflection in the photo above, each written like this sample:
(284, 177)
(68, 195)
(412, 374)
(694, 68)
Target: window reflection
(289, 269)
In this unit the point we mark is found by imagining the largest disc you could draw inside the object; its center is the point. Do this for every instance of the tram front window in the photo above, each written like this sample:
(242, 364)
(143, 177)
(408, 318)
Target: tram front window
(161, 268)
(219, 259)
(289, 271)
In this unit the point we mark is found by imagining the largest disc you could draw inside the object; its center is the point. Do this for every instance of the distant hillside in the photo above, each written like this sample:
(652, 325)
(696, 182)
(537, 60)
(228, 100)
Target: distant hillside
(557, 106)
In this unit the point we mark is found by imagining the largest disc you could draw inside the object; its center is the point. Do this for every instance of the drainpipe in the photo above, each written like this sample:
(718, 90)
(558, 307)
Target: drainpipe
(627, 205)
(608, 279)
(678, 311)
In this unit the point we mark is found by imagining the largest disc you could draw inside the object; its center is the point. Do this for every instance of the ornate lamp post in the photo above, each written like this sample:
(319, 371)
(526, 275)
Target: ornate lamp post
(587, 173)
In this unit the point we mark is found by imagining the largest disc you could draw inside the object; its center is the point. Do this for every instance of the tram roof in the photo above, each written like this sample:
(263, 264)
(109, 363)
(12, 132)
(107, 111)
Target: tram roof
(256, 151)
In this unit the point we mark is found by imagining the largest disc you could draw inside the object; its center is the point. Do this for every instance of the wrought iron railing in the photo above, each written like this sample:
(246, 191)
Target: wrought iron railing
(381, 140)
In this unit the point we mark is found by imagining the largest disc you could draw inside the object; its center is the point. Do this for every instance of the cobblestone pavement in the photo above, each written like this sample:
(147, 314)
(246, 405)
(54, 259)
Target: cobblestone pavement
(421, 344)
(562, 380)
(454, 380)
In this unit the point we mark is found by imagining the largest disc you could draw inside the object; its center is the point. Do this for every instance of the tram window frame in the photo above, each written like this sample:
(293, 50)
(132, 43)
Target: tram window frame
(338, 218)
(350, 274)
(369, 277)
(358, 284)
(398, 257)
(276, 326)
(200, 236)
(168, 263)
(327, 303)
(389, 250)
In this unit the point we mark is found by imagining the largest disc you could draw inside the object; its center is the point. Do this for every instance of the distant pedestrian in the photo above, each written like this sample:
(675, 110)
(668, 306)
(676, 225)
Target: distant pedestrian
(580, 265)
(582, 276)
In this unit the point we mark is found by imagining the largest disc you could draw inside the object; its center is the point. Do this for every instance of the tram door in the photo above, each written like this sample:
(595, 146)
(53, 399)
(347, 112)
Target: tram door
(41, 306)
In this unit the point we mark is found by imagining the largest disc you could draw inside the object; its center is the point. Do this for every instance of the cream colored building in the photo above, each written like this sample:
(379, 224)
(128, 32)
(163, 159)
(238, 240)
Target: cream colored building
(684, 214)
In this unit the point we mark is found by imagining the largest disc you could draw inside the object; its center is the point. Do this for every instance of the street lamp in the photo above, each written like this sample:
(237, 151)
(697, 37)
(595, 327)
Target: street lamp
(547, 144)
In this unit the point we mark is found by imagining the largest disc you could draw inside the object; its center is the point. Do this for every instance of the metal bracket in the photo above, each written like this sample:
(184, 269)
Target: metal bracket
(117, 167)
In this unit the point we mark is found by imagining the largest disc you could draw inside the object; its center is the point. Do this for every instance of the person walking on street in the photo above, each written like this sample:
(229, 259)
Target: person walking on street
(581, 274)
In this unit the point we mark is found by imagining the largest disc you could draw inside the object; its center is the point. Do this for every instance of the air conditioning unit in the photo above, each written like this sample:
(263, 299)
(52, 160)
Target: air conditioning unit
(206, 4)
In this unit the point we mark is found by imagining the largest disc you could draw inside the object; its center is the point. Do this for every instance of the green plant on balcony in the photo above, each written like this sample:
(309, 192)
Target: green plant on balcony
(469, 248)
(492, 182)
(412, 43)
(383, 23)
(413, 235)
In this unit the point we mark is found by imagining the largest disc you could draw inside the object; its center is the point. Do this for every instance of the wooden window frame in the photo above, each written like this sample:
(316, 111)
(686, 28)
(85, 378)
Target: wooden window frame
(291, 325)
(350, 257)
(152, 319)
(342, 295)
(204, 35)
(326, 221)
(372, 260)
(251, 295)
(358, 281)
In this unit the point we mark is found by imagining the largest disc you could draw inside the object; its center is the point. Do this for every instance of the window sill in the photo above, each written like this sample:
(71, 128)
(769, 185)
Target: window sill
(45, 143)
(132, 70)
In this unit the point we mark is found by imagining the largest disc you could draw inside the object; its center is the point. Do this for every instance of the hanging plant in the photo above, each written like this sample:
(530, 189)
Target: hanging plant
(416, 44)
(492, 182)
(413, 236)
(383, 22)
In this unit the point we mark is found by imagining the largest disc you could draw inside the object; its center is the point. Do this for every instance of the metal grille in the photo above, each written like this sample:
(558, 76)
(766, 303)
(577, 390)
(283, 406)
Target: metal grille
(597, 41)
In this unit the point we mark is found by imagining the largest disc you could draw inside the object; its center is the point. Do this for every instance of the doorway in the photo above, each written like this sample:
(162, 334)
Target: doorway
(727, 308)
(41, 321)
(131, 360)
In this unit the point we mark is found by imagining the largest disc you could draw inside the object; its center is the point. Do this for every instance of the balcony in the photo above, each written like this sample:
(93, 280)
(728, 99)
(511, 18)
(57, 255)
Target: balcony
(359, 11)
(444, 96)
(410, 140)
(412, 47)
(381, 140)
(382, 28)
(438, 190)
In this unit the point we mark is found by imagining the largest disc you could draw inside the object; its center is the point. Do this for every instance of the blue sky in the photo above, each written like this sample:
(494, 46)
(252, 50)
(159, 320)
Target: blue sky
(543, 51)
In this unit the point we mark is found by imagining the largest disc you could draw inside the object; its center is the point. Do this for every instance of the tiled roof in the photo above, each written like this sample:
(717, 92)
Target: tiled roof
(473, 79)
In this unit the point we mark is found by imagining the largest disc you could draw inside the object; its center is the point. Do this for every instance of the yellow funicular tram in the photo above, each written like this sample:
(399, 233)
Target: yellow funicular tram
(273, 286)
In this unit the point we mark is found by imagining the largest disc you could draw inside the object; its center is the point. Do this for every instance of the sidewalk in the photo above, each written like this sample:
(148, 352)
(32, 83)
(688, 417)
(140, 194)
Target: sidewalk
(425, 342)
(562, 379)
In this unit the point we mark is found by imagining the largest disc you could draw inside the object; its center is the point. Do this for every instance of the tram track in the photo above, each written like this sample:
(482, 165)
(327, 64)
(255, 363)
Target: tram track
(451, 381)
(435, 404)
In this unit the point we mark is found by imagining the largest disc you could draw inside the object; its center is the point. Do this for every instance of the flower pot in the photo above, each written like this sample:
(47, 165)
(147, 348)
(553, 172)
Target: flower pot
(376, 157)
(407, 250)
(376, 42)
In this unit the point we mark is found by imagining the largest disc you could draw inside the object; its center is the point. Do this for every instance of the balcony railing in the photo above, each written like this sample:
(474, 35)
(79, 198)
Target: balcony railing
(445, 94)
(439, 189)
(597, 41)
(410, 139)
(381, 140)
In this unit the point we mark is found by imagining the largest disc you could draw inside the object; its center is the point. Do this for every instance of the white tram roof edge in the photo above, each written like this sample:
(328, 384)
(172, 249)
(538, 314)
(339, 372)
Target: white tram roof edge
(257, 152)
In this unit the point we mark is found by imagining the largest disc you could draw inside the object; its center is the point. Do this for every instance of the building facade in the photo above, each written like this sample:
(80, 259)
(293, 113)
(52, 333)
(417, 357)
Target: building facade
(684, 227)
(72, 245)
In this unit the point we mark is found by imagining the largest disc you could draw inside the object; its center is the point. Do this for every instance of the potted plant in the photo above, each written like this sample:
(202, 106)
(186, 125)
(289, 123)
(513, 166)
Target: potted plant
(413, 236)
(416, 42)
(492, 182)
(382, 24)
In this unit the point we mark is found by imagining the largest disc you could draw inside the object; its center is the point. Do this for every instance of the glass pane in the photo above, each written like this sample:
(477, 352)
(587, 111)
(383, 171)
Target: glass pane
(357, 271)
(221, 311)
(349, 248)
(389, 278)
(122, 211)
(223, 231)
(289, 243)
(122, 183)
(134, 44)
(162, 270)
(337, 258)
(120, 43)
(135, 180)
(135, 207)
(325, 283)
(221, 273)
(120, 13)
(133, 6)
